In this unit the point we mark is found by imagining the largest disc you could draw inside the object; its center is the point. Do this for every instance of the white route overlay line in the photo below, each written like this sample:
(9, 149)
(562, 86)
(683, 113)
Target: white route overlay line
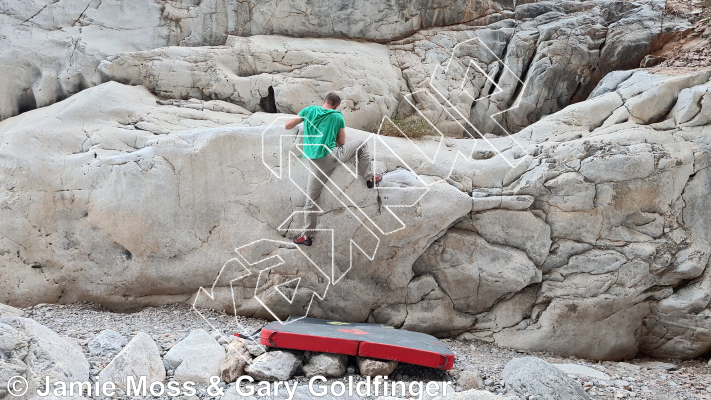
(211, 295)
(337, 192)
(282, 262)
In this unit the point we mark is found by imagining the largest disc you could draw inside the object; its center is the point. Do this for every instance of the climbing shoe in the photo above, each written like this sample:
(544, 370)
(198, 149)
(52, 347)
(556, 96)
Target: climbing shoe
(303, 240)
(374, 182)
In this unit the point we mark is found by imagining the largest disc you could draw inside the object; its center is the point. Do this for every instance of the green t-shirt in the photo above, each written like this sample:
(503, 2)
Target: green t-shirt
(321, 126)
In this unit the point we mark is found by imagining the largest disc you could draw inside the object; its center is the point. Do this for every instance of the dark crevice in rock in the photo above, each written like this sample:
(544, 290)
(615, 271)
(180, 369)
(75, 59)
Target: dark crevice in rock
(268, 103)
(27, 101)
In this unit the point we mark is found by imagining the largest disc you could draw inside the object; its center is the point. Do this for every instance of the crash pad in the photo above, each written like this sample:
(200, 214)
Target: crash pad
(361, 339)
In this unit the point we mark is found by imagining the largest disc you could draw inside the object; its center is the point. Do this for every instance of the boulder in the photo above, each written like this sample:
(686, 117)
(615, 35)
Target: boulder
(183, 239)
(107, 343)
(9, 311)
(522, 230)
(35, 352)
(615, 248)
(237, 357)
(196, 358)
(372, 367)
(531, 376)
(275, 365)
(325, 364)
(254, 348)
(140, 358)
(541, 73)
(469, 379)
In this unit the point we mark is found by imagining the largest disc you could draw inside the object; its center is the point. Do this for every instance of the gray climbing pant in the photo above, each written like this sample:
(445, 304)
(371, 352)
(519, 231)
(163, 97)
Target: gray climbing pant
(322, 168)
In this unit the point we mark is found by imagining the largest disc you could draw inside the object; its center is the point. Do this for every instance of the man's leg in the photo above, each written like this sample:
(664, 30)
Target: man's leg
(319, 170)
(359, 148)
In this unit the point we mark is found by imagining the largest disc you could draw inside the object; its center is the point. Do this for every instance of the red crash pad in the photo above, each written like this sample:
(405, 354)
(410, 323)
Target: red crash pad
(367, 340)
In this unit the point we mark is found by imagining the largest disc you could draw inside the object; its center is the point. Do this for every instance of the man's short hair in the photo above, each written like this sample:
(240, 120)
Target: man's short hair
(333, 99)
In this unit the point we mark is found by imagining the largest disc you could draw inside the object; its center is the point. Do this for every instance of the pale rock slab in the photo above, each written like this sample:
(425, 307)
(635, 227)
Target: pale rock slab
(475, 273)
(35, 352)
(155, 147)
(9, 311)
(196, 358)
(140, 358)
(582, 371)
(531, 376)
(540, 73)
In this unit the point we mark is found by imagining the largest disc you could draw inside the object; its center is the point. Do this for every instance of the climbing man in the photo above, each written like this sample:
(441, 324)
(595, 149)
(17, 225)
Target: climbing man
(325, 145)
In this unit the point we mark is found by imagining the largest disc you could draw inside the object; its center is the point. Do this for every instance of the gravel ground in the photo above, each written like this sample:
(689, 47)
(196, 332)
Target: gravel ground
(639, 378)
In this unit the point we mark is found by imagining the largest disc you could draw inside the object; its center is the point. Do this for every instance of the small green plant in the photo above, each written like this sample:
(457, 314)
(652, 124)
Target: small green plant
(414, 127)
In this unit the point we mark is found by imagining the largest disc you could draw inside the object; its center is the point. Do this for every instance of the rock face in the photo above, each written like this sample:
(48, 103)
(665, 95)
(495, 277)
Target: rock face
(196, 358)
(107, 343)
(621, 231)
(74, 38)
(273, 73)
(140, 357)
(478, 59)
(596, 219)
(227, 211)
(35, 352)
(543, 58)
(275, 365)
(531, 376)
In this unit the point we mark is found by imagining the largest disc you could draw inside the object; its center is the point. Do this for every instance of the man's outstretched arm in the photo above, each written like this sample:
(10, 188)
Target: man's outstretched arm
(341, 137)
(292, 123)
